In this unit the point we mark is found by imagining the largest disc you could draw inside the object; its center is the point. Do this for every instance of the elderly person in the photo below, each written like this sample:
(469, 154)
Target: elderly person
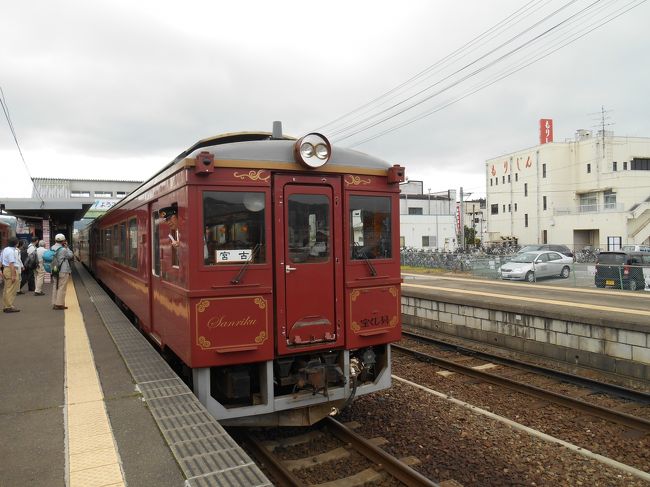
(40, 270)
(62, 257)
(10, 274)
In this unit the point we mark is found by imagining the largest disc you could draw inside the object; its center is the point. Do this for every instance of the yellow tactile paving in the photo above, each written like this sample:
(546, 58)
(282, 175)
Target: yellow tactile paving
(93, 460)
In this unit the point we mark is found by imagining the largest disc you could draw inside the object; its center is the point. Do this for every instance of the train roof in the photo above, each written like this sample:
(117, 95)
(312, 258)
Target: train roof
(261, 146)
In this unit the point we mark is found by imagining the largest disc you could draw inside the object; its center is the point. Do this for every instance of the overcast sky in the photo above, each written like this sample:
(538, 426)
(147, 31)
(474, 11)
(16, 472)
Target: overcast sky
(116, 89)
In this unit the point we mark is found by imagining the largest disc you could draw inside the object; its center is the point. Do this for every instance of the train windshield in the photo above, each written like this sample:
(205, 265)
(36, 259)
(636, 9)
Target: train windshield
(370, 227)
(233, 223)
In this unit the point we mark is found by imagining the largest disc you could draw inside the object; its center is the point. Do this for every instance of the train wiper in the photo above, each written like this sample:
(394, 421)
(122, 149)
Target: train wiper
(242, 270)
(358, 252)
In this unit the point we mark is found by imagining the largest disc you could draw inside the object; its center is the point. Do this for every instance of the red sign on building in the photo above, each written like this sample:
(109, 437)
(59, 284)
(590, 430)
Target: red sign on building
(545, 130)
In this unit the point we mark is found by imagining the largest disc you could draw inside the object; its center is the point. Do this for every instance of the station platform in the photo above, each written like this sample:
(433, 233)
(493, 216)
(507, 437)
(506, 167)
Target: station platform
(87, 402)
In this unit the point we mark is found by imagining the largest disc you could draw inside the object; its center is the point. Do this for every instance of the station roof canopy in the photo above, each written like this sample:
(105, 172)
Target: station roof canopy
(69, 210)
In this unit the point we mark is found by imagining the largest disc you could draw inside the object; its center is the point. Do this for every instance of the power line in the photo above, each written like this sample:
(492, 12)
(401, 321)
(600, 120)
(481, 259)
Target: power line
(560, 35)
(5, 110)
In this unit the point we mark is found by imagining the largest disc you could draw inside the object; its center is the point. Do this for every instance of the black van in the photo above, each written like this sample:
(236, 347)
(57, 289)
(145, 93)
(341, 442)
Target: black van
(622, 270)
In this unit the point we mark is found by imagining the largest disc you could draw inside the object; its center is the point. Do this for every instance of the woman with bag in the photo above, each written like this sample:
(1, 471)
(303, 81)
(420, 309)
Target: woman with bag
(61, 271)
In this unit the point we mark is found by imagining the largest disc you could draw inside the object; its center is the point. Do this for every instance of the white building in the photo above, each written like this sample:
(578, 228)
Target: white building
(591, 191)
(427, 221)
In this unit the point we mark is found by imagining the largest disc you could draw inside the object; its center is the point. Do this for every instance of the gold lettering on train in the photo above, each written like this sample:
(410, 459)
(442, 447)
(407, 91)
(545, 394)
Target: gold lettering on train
(222, 322)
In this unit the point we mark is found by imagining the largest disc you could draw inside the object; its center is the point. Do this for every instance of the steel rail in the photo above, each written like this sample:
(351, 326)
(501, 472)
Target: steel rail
(628, 420)
(389, 463)
(623, 392)
(271, 462)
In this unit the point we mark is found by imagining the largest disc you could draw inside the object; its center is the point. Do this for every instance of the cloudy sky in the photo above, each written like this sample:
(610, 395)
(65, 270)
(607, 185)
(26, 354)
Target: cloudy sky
(116, 89)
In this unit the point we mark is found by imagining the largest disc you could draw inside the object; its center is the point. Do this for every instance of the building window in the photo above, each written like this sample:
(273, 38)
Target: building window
(544, 236)
(510, 208)
(80, 194)
(614, 243)
(103, 194)
(588, 168)
(640, 164)
(610, 200)
(503, 180)
(508, 177)
(614, 166)
(490, 181)
(415, 211)
(516, 177)
(120, 194)
(526, 219)
(589, 202)
(494, 209)
(515, 206)
(544, 201)
(504, 208)
(402, 241)
(543, 170)
(496, 181)
(429, 241)
(624, 165)
(525, 189)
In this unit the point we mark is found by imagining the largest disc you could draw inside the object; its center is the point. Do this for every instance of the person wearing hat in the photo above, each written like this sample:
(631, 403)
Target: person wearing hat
(170, 214)
(62, 257)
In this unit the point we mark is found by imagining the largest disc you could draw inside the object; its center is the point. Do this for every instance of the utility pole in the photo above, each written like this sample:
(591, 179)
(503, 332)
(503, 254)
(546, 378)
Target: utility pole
(461, 220)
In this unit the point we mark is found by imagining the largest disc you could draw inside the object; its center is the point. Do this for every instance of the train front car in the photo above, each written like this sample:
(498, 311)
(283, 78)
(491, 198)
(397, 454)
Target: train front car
(297, 294)
(272, 270)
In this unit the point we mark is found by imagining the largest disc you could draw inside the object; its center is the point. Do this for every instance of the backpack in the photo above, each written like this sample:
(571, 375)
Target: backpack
(48, 258)
(31, 262)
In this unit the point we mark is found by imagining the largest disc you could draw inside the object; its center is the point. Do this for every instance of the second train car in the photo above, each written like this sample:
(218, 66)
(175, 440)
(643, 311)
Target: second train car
(269, 266)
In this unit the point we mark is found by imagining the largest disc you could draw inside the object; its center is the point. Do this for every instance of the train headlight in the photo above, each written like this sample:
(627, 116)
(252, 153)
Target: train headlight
(313, 150)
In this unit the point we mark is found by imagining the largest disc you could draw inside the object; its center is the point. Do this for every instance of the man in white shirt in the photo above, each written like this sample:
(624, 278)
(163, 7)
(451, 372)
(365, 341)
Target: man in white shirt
(40, 270)
(11, 276)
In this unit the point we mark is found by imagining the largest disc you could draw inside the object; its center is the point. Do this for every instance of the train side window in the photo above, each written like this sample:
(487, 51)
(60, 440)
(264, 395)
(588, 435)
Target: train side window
(107, 243)
(133, 243)
(370, 227)
(155, 244)
(122, 257)
(234, 227)
(116, 244)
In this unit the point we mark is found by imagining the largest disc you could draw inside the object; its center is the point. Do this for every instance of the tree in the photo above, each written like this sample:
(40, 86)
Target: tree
(470, 236)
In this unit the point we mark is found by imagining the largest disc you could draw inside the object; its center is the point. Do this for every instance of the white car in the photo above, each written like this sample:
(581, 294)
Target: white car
(530, 266)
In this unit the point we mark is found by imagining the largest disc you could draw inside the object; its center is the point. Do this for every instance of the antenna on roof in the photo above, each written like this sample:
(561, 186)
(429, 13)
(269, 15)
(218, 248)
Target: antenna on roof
(277, 130)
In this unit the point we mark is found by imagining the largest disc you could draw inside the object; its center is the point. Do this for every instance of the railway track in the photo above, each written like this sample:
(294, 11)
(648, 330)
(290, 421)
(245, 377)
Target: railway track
(481, 373)
(381, 467)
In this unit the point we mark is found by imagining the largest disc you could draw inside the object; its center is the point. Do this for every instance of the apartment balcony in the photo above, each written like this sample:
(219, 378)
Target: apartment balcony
(598, 208)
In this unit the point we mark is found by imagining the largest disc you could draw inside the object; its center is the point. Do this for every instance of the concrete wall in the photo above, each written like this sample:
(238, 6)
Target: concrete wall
(624, 351)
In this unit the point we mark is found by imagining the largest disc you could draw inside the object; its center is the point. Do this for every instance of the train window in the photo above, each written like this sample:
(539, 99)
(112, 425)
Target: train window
(309, 228)
(107, 243)
(122, 257)
(370, 227)
(234, 227)
(155, 244)
(133, 243)
(116, 244)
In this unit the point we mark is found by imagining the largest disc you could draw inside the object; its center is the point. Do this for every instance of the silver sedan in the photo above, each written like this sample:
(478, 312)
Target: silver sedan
(530, 266)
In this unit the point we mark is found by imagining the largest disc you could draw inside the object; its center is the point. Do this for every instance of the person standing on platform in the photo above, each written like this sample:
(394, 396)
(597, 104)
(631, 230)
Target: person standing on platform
(40, 270)
(31, 271)
(21, 256)
(62, 257)
(10, 275)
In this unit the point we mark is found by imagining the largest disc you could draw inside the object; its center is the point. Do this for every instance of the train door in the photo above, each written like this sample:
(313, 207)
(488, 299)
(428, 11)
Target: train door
(308, 249)
(155, 283)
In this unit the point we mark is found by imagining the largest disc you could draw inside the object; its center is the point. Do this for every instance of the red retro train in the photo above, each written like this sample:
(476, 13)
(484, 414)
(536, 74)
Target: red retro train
(268, 265)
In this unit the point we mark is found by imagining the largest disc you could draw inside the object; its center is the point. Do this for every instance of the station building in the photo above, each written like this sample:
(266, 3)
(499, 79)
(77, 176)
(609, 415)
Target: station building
(591, 191)
(428, 221)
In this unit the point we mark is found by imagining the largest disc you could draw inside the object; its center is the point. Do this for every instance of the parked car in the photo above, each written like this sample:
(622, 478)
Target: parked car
(622, 270)
(530, 266)
(636, 248)
(563, 249)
